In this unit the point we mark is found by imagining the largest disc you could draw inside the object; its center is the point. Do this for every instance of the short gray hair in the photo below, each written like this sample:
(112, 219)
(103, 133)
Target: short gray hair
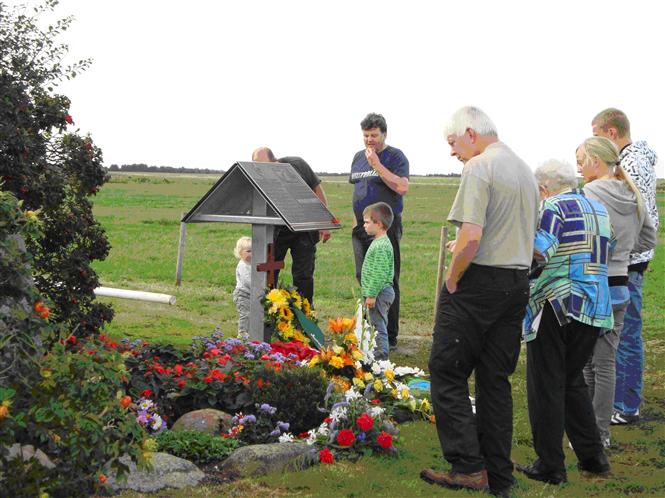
(469, 117)
(556, 175)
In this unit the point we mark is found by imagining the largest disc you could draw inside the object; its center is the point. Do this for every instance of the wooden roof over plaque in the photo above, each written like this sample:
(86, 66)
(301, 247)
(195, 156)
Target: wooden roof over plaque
(289, 199)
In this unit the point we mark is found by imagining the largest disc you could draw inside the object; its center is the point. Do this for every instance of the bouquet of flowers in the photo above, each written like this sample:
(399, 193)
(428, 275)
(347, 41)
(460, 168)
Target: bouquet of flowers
(355, 425)
(342, 359)
(279, 304)
(390, 385)
(259, 427)
(148, 418)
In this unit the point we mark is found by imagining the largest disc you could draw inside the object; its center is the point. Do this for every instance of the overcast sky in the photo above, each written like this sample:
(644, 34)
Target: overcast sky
(203, 83)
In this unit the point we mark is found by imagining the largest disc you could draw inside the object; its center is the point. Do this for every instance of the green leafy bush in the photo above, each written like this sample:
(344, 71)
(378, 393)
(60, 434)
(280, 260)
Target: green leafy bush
(297, 393)
(196, 446)
(76, 415)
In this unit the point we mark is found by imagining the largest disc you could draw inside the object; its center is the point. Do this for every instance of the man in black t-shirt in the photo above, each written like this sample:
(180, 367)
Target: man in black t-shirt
(302, 245)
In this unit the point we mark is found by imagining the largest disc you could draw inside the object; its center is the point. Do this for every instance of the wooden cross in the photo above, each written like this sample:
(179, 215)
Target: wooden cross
(270, 267)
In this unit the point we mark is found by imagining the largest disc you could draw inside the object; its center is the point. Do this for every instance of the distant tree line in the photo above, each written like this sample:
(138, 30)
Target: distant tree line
(144, 168)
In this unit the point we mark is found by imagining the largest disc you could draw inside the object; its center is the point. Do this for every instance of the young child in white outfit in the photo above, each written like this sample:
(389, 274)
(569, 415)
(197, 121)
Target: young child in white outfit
(243, 251)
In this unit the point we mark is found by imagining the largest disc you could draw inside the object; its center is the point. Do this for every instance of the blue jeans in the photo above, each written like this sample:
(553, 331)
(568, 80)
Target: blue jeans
(379, 317)
(630, 354)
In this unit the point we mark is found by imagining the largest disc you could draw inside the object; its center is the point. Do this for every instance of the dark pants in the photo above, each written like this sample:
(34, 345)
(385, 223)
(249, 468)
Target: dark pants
(478, 328)
(361, 242)
(303, 254)
(557, 394)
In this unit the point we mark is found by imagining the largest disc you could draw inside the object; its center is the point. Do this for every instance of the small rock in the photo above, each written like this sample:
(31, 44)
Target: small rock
(168, 472)
(260, 459)
(27, 452)
(208, 420)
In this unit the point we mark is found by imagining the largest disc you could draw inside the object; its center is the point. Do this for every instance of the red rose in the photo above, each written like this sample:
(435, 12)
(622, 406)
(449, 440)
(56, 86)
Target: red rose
(346, 437)
(365, 422)
(214, 352)
(208, 379)
(384, 440)
(326, 456)
(181, 383)
(68, 119)
(147, 393)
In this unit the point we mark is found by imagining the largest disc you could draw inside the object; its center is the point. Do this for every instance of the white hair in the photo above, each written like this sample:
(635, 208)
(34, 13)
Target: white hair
(469, 118)
(556, 175)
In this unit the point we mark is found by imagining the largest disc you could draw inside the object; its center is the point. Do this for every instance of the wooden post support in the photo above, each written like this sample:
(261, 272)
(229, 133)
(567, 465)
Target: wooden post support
(181, 252)
(440, 268)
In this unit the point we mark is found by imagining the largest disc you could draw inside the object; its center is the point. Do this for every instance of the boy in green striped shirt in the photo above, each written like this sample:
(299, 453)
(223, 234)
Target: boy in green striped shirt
(378, 269)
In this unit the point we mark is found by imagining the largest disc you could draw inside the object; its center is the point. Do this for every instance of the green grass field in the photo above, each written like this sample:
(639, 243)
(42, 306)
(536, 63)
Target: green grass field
(141, 215)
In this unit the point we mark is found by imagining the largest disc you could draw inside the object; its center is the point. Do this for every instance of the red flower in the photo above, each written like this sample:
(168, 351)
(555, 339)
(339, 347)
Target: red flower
(181, 383)
(328, 420)
(384, 440)
(147, 393)
(346, 437)
(375, 401)
(326, 456)
(71, 339)
(365, 422)
(206, 355)
(178, 370)
(303, 435)
(334, 221)
(214, 352)
(68, 119)
(208, 379)
(259, 383)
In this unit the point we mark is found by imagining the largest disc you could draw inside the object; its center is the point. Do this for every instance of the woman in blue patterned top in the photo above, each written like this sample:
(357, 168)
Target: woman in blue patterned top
(568, 305)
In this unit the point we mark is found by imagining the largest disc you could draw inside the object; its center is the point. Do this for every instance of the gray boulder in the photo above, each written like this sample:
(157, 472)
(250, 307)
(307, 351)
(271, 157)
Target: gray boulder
(168, 472)
(260, 459)
(27, 452)
(208, 420)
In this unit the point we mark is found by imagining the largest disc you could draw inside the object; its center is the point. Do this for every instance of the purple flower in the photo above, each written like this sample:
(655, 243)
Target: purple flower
(284, 426)
(249, 355)
(265, 407)
(276, 433)
(248, 419)
(329, 391)
(361, 437)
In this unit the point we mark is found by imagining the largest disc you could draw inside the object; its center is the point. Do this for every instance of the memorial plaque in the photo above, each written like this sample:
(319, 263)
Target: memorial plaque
(290, 200)
(263, 195)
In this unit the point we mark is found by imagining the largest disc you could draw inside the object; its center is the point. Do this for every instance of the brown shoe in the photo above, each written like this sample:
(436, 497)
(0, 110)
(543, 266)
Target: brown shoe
(456, 480)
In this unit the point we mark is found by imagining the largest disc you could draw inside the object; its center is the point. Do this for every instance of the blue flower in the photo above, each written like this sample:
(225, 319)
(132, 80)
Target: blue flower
(361, 437)
(284, 426)
(265, 407)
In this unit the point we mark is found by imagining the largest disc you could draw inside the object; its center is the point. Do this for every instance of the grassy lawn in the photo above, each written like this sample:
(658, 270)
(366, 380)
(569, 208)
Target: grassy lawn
(141, 216)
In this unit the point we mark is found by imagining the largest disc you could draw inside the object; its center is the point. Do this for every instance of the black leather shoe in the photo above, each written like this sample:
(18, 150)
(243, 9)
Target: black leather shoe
(598, 466)
(502, 493)
(535, 473)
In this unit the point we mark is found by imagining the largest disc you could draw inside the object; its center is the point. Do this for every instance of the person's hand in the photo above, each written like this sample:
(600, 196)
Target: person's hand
(451, 285)
(450, 245)
(370, 302)
(324, 235)
(372, 157)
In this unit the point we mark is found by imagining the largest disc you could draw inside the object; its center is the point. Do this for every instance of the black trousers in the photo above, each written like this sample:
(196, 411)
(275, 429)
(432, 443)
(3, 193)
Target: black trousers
(361, 242)
(557, 395)
(478, 328)
(303, 255)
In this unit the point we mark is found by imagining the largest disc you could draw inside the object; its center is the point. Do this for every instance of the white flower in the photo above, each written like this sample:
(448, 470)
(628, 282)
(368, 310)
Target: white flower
(146, 404)
(156, 422)
(375, 411)
(287, 437)
(401, 371)
(376, 369)
(352, 394)
(386, 365)
(338, 414)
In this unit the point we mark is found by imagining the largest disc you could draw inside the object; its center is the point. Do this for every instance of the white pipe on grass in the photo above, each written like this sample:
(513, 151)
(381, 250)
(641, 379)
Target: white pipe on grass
(153, 297)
